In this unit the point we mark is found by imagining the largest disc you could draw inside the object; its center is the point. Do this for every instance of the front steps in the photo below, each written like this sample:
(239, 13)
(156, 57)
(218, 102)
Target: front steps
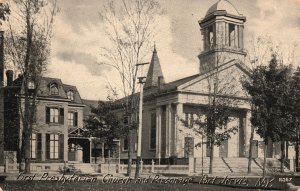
(237, 166)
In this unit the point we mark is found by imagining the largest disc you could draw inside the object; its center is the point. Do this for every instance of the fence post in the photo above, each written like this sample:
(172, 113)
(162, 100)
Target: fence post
(6, 164)
(152, 166)
(191, 164)
(195, 165)
(292, 165)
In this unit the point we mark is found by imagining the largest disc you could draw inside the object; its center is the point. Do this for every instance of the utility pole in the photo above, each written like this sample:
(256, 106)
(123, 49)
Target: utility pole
(141, 81)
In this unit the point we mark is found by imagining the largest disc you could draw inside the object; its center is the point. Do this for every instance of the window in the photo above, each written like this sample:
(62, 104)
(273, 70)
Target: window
(55, 146)
(36, 146)
(125, 144)
(70, 95)
(33, 146)
(231, 35)
(54, 141)
(188, 147)
(72, 119)
(153, 131)
(31, 85)
(189, 119)
(54, 89)
(53, 115)
(209, 37)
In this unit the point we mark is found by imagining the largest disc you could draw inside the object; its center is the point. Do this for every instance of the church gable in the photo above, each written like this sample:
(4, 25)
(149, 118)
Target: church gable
(227, 79)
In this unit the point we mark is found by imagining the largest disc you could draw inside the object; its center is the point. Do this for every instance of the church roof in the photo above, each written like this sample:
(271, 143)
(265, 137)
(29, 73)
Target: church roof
(154, 72)
(223, 5)
(174, 86)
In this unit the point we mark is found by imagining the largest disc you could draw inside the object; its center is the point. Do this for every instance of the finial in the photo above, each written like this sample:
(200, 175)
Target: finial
(154, 50)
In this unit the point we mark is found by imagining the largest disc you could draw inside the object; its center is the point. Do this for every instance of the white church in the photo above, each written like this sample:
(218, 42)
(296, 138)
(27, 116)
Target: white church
(165, 139)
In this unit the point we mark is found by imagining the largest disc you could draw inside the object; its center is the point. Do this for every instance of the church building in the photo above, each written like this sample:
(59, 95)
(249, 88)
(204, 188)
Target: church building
(165, 138)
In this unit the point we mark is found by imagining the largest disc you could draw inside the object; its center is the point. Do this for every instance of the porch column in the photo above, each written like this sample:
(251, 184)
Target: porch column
(168, 129)
(66, 146)
(178, 150)
(158, 133)
(103, 158)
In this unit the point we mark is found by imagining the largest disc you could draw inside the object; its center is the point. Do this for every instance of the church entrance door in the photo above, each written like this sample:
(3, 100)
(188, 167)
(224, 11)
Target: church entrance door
(224, 149)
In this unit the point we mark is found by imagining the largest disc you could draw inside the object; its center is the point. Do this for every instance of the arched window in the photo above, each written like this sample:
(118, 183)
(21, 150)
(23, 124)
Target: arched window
(54, 89)
(70, 95)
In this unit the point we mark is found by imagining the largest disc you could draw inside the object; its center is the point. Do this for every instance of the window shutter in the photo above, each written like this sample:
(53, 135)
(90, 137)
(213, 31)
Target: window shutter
(39, 146)
(75, 123)
(61, 146)
(61, 115)
(47, 114)
(47, 146)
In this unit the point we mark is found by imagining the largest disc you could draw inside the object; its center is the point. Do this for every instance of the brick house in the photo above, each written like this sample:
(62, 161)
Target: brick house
(56, 135)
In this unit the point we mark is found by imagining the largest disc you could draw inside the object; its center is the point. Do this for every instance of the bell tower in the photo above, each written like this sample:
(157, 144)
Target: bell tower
(223, 36)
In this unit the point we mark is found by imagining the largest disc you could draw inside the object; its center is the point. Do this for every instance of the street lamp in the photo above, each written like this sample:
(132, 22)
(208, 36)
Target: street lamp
(141, 81)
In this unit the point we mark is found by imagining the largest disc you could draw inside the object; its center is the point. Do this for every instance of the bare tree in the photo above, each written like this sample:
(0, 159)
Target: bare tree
(129, 27)
(28, 49)
(222, 101)
(4, 11)
(222, 104)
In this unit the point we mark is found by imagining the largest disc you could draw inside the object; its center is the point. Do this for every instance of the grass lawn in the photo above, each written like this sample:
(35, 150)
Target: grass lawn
(85, 186)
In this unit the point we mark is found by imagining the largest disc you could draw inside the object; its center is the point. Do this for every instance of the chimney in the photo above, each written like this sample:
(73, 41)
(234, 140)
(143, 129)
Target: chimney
(10, 77)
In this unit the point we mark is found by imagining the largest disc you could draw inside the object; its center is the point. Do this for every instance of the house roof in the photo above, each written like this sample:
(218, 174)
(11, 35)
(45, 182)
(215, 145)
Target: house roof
(44, 89)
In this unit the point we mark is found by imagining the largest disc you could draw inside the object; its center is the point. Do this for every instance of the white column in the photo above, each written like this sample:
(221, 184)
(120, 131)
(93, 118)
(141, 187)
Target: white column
(179, 151)
(247, 132)
(168, 129)
(226, 34)
(241, 36)
(158, 132)
(236, 36)
(215, 35)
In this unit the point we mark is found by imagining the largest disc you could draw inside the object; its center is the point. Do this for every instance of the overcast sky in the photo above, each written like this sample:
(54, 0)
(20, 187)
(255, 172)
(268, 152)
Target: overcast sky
(79, 36)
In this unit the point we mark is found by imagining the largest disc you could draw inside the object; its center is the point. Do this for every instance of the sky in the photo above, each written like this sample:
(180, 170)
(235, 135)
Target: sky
(79, 36)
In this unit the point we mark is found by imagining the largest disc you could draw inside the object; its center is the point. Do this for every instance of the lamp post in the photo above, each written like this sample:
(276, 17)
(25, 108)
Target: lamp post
(141, 81)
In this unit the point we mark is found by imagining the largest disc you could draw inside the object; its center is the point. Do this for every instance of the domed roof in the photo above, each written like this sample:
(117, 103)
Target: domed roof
(223, 5)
